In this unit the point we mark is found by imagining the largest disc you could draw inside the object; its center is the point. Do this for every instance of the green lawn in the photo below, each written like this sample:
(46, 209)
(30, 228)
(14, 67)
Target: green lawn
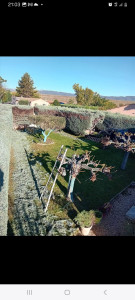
(88, 195)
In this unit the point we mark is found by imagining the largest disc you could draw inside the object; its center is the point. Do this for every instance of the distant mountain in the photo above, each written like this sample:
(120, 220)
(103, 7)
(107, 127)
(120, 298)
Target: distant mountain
(46, 92)
(126, 98)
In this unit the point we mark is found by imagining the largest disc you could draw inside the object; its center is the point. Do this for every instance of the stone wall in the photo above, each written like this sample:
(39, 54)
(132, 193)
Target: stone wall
(5, 145)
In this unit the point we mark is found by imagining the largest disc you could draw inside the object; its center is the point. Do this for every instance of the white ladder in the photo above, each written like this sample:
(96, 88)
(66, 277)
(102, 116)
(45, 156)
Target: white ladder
(62, 157)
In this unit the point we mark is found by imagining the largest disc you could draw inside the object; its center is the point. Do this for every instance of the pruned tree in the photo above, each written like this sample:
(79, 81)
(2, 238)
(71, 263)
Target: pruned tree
(82, 162)
(123, 140)
(46, 135)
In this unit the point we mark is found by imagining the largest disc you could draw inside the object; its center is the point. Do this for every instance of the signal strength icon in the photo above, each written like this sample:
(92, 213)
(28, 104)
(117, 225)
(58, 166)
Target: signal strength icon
(35, 4)
(121, 4)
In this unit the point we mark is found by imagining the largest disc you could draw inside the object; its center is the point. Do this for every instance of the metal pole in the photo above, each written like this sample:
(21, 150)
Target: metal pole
(70, 188)
(124, 162)
(51, 172)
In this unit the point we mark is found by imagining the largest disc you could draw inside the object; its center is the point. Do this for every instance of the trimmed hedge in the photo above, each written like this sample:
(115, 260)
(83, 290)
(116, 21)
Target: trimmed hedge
(78, 120)
(23, 102)
(45, 122)
(116, 121)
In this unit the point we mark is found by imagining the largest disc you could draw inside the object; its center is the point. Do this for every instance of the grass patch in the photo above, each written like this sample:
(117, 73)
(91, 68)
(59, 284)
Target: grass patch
(88, 195)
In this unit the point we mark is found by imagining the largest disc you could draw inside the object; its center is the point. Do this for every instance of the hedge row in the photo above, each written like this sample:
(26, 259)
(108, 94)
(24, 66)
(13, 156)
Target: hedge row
(78, 121)
(116, 121)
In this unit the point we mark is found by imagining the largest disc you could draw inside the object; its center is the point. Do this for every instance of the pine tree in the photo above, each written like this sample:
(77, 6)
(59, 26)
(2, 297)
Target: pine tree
(25, 87)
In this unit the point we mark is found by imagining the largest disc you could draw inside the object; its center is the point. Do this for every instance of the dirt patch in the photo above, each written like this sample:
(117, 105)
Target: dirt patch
(124, 110)
(47, 143)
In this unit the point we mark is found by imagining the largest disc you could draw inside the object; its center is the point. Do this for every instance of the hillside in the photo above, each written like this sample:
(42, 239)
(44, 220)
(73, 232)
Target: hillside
(60, 98)
(46, 92)
(123, 98)
(126, 98)
(50, 96)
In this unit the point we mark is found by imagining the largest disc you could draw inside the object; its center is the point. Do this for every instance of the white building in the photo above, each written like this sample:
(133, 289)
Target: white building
(39, 102)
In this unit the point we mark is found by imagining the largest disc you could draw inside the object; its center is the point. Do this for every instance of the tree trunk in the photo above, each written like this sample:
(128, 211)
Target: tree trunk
(70, 188)
(124, 162)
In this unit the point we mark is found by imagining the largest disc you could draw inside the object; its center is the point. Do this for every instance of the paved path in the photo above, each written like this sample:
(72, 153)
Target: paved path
(114, 223)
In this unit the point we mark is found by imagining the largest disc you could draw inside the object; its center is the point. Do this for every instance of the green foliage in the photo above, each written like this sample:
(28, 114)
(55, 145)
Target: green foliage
(88, 218)
(23, 102)
(56, 103)
(87, 97)
(87, 195)
(77, 125)
(45, 122)
(7, 97)
(80, 122)
(83, 96)
(71, 101)
(25, 87)
(2, 90)
(108, 105)
(77, 120)
(116, 121)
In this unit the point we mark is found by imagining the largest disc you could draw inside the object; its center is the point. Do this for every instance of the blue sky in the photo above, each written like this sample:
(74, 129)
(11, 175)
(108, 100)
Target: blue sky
(108, 76)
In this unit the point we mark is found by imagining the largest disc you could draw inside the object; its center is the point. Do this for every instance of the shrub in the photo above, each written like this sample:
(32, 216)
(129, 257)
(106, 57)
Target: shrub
(107, 105)
(56, 103)
(88, 218)
(7, 97)
(80, 122)
(71, 101)
(116, 121)
(77, 120)
(45, 122)
(85, 218)
(23, 102)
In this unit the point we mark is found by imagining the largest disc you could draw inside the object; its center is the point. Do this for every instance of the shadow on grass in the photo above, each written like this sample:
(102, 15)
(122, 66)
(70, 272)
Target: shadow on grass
(47, 163)
(10, 231)
(32, 173)
(87, 147)
(89, 195)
